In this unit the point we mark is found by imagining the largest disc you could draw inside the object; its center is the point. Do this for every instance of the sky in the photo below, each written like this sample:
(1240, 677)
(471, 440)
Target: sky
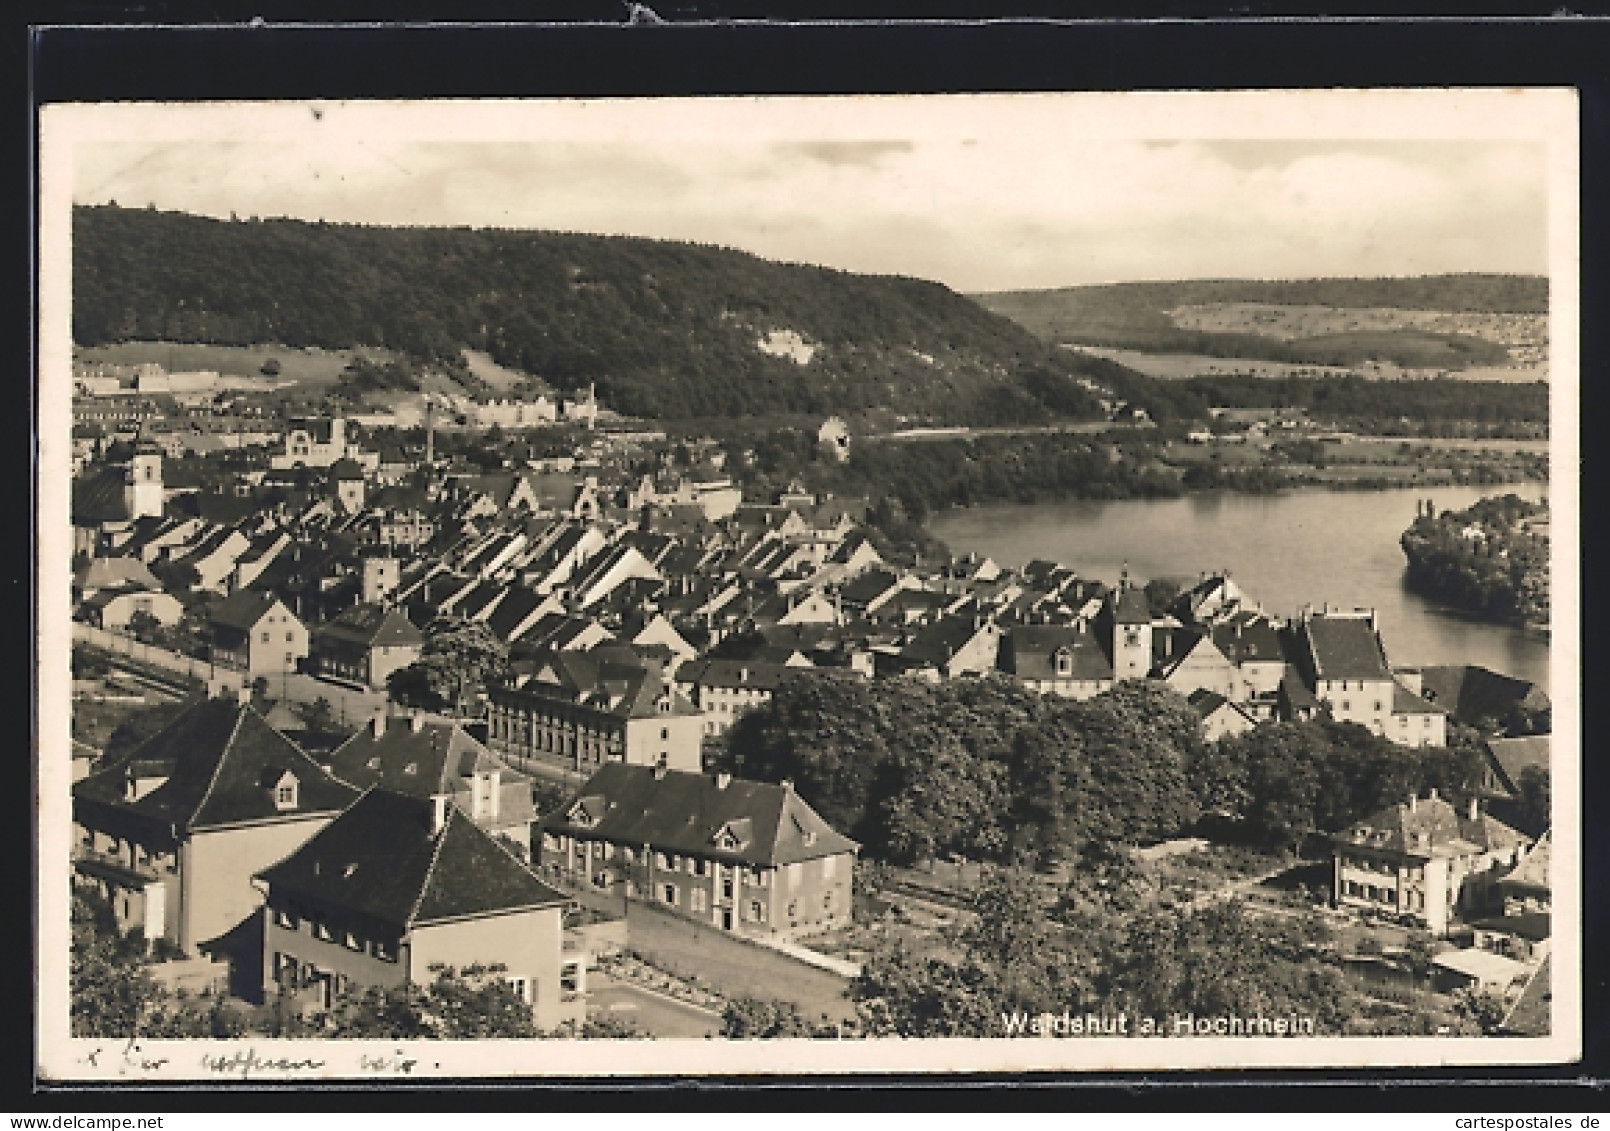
(1040, 195)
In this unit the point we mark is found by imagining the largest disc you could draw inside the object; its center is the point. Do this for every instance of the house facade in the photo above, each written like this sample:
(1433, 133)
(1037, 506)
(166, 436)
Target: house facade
(1425, 860)
(255, 634)
(747, 857)
(172, 832)
(398, 885)
(582, 711)
(365, 644)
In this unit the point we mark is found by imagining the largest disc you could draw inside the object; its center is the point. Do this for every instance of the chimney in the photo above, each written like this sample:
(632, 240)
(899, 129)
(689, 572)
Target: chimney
(380, 722)
(788, 785)
(723, 780)
(416, 722)
(1433, 794)
(438, 812)
(1414, 801)
(1473, 811)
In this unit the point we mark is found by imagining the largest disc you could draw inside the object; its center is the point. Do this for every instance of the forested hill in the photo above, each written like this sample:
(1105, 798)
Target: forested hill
(1046, 310)
(666, 330)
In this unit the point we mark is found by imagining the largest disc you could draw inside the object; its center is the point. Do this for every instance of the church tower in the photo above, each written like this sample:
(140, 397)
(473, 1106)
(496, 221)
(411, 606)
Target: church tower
(1131, 632)
(142, 491)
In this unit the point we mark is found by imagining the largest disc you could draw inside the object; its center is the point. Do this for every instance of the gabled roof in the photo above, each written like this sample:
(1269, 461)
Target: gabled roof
(1430, 827)
(1345, 647)
(1248, 637)
(242, 609)
(686, 813)
(1030, 652)
(1406, 702)
(419, 763)
(373, 626)
(1515, 755)
(1473, 692)
(108, 573)
(754, 674)
(380, 859)
(98, 496)
(515, 607)
(937, 643)
(222, 758)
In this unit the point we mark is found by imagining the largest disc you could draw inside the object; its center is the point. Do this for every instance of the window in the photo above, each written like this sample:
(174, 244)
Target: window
(265, 638)
(520, 986)
(668, 893)
(1377, 705)
(793, 910)
(699, 867)
(660, 862)
(830, 866)
(698, 899)
(726, 888)
(827, 902)
(285, 793)
(757, 911)
(665, 734)
(570, 977)
(1346, 706)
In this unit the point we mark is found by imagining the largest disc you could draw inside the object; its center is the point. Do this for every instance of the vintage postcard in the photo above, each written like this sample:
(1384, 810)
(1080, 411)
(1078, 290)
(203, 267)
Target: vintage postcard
(782, 585)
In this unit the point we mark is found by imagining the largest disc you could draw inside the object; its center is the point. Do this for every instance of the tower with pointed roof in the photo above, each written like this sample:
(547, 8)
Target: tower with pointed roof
(142, 491)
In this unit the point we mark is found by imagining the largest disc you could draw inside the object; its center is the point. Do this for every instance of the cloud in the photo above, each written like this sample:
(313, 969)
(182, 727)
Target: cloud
(1014, 208)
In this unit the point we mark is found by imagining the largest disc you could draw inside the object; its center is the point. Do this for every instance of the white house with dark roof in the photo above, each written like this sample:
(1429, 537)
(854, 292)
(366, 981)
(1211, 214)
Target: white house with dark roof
(742, 856)
(1425, 860)
(256, 634)
(398, 886)
(365, 644)
(172, 831)
(1062, 659)
(1342, 657)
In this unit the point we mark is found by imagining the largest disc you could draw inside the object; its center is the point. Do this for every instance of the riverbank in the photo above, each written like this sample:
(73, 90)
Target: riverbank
(1490, 560)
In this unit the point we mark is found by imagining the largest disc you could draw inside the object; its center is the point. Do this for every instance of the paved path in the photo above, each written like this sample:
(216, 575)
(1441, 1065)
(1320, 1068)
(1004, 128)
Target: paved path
(731, 966)
(655, 1014)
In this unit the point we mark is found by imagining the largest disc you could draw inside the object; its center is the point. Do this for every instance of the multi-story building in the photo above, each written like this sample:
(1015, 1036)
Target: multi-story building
(399, 886)
(365, 644)
(743, 856)
(1342, 657)
(1425, 860)
(725, 689)
(173, 831)
(253, 633)
(583, 710)
(429, 757)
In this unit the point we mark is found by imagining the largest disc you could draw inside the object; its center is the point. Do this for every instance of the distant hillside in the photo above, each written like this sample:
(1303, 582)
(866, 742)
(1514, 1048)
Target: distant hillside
(666, 330)
(1135, 316)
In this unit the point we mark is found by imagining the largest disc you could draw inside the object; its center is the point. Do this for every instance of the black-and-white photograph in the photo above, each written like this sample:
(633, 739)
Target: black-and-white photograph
(920, 583)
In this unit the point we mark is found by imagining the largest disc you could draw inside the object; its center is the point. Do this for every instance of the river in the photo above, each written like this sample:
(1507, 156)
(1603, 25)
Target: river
(1303, 547)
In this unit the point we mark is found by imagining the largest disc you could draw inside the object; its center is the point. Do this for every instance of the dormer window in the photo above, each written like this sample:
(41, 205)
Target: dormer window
(412, 769)
(285, 792)
(373, 763)
(1064, 662)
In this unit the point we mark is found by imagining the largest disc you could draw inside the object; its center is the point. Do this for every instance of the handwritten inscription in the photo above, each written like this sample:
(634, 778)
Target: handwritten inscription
(243, 1062)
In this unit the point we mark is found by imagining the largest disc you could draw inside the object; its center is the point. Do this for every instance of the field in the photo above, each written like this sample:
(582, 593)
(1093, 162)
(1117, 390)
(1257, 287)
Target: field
(495, 376)
(303, 366)
(1181, 366)
(1525, 335)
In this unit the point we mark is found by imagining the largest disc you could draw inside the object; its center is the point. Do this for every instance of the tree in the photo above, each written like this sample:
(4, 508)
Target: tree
(1534, 804)
(765, 1018)
(144, 627)
(110, 989)
(460, 659)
